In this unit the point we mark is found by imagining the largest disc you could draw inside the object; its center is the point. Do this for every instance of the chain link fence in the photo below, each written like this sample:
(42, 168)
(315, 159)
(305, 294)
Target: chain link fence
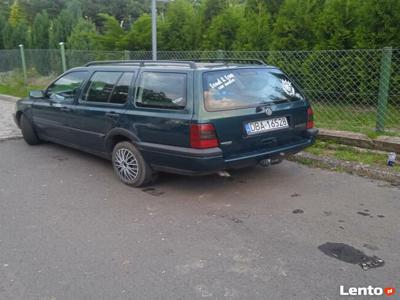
(354, 90)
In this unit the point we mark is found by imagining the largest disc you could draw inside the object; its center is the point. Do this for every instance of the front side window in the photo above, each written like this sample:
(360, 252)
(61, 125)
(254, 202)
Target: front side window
(241, 88)
(101, 86)
(162, 90)
(67, 87)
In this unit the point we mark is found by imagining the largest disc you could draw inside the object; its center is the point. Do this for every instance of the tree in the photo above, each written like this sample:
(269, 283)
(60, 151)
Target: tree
(139, 36)
(124, 11)
(181, 29)
(17, 15)
(112, 36)
(224, 28)
(40, 31)
(378, 24)
(273, 6)
(33, 7)
(211, 9)
(3, 23)
(61, 27)
(4, 7)
(16, 30)
(15, 35)
(82, 36)
(255, 31)
(293, 28)
(334, 26)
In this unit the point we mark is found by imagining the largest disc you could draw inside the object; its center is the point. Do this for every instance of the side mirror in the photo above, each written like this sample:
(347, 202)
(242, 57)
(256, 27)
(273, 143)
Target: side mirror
(36, 94)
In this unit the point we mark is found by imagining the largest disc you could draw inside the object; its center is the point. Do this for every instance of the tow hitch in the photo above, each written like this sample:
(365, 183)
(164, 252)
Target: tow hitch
(270, 161)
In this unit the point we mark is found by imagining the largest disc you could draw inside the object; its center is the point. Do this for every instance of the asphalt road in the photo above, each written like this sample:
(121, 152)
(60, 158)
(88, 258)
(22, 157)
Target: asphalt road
(70, 230)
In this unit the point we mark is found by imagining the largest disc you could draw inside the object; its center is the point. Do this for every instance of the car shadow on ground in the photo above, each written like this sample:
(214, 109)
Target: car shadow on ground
(249, 175)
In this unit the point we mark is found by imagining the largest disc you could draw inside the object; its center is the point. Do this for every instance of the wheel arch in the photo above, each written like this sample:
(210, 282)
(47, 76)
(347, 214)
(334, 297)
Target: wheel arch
(18, 116)
(117, 135)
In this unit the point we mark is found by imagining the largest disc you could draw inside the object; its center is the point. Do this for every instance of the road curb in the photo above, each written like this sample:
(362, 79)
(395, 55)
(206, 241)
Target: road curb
(383, 143)
(8, 98)
(355, 168)
(8, 138)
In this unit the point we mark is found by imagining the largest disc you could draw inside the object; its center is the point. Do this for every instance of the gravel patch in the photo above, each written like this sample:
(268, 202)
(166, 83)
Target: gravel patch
(8, 129)
(355, 168)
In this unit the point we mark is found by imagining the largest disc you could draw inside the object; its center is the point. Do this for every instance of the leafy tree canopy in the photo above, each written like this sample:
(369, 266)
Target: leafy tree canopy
(201, 24)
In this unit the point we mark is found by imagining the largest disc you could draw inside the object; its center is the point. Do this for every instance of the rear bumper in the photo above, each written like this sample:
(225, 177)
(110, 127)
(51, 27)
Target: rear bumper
(188, 161)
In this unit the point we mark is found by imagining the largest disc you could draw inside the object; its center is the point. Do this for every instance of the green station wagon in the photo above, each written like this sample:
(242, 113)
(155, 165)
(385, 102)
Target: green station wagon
(180, 117)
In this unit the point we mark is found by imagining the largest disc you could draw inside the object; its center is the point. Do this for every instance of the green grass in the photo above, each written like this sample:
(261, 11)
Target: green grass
(17, 90)
(348, 153)
(356, 118)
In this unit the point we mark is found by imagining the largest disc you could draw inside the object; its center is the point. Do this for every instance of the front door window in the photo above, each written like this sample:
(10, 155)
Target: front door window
(66, 87)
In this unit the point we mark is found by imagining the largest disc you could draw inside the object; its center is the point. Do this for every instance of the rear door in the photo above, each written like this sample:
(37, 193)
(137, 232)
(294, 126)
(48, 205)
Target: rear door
(253, 109)
(163, 106)
(102, 102)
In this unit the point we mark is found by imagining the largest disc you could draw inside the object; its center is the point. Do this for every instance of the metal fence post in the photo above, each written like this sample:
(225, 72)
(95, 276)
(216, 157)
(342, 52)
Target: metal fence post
(63, 60)
(21, 48)
(384, 81)
(126, 55)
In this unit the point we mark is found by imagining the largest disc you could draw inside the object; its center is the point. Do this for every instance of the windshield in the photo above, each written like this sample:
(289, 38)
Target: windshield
(240, 88)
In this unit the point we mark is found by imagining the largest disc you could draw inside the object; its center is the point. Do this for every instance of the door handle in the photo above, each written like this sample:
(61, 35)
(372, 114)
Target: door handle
(64, 108)
(112, 114)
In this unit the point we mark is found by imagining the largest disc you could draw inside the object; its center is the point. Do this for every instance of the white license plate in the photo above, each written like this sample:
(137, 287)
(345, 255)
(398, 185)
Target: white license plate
(266, 125)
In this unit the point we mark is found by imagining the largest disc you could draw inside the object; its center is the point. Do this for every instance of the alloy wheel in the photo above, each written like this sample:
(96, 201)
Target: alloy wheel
(126, 164)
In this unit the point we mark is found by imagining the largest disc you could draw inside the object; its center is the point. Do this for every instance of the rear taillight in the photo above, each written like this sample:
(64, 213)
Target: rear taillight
(310, 118)
(203, 136)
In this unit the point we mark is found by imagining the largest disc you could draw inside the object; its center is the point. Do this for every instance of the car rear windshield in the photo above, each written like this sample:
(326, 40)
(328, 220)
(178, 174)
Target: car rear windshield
(241, 88)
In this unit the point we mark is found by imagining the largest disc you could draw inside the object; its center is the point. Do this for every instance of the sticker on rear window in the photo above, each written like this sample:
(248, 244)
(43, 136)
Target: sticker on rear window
(288, 88)
(223, 82)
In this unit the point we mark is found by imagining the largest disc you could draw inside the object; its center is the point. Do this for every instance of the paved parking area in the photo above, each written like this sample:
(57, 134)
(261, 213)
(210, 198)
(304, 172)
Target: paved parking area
(70, 230)
(7, 126)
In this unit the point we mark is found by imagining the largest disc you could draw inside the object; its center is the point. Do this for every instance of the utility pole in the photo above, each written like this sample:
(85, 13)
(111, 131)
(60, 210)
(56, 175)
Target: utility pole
(154, 29)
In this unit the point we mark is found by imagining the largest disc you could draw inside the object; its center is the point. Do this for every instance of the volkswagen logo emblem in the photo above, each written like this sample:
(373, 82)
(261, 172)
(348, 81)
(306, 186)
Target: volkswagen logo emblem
(268, 111)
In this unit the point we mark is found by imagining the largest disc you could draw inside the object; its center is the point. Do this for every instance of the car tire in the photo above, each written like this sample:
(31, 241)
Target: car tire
(28, 132)
(130, 166)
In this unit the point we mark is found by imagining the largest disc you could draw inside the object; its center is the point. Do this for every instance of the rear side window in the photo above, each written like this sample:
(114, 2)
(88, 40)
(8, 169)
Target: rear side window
(101, 86)
(162, 90)
(241, 88)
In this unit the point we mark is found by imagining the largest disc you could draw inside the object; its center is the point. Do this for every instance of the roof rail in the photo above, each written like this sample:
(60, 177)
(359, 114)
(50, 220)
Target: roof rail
(142, 63)
(228, 60)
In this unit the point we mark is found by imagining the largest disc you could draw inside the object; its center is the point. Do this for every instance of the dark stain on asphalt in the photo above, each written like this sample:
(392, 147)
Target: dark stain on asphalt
(341, 221)
(327, 213)
(298, 211)
(152, 191)
(236, 179)
(381, 216)
(351, 255)
(60, 158)
(363, 213)
(295, 195)
(371, 247)
(367, 210)
(341, 227)
(236, 220)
